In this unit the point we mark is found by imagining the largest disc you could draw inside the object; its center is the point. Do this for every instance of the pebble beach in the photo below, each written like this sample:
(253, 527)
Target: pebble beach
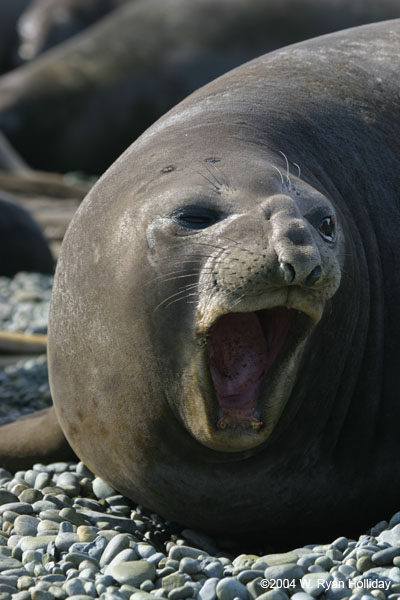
(65, 533)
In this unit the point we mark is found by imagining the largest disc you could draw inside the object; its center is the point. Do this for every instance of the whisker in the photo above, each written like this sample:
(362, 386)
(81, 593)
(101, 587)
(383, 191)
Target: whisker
(239, 246)
(220, 184)
(298, 168)
(158, 277)
(187, 296)
(178, 276)
(207, 244)
(181, 276)
(181, 291)
(216, 188)
(237, 301)
(280, 173)
(289, 183)
(224, 179)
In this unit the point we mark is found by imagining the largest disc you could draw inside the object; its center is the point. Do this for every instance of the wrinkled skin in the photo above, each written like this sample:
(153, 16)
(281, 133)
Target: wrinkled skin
(143, 370)
(78, 106)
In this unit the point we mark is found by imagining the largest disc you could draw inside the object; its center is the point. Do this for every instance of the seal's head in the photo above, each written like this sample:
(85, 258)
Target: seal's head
(187, 291)
(244, 264)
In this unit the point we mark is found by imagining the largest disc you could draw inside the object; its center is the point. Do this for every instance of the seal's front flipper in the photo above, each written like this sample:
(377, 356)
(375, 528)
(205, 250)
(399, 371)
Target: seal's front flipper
(33, 438)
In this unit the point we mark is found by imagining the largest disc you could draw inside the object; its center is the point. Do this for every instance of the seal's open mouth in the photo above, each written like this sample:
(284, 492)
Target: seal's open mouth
(242, 350)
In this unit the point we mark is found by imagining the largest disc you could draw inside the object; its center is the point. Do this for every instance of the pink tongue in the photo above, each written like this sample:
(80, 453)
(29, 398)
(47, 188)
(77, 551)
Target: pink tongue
(238, 354)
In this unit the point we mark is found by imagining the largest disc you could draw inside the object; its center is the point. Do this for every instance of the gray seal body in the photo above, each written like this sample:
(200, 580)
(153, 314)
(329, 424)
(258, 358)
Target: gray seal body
(225, 326)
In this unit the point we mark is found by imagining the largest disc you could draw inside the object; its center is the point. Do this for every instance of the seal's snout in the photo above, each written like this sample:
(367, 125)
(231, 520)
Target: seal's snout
(288, 272)
(291, 276)
(295, 241)
(314, 276)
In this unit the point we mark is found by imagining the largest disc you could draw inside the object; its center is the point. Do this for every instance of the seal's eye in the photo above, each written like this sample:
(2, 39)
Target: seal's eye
(327, 229)
(195, 217)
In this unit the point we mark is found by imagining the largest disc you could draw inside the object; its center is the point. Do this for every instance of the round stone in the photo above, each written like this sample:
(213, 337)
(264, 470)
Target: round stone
(25, 582)
(334, 554)
(47, 525)
(189, 565)
(26, 525)
(249, 575)
(145, 550)
(36, 543)
(30, 495)
(304, 562)
(315, 584)
(364, 564)
(64, 541)
(42, 480)
(272, 560)
(378, 528)
(180, 592)
(288, 571)
(208, 591)
(386, 556)
(214, 569)
(22, 596)
(244, 561)
(7, 497)
(133, 572)
(21, 508)
(179, 552)
(229, 588)
(86, 533)
(101, 489)
(70, 514)
(129, 554)
(316, 569)
(69, 479)
(142, 596)
(172, 581)
(115, 546)
(38, 594)
(74, 587)
(340, 543)
(9, 563)
(395, 520)
(391, 536)
(83, 471)
(275, 594)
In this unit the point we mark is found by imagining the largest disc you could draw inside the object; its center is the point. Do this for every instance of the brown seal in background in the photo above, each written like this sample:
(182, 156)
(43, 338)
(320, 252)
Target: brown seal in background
(78, 106)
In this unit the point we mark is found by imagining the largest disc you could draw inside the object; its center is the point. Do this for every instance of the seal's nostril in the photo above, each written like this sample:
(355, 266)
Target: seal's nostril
(314, 276)
(288, 272)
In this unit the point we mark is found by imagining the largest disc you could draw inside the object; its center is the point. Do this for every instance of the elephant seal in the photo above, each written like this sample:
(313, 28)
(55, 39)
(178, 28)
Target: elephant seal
(225, 326)
(10, 160)
(23, 246)
(46, 23)
(10, 11)
(78, 106)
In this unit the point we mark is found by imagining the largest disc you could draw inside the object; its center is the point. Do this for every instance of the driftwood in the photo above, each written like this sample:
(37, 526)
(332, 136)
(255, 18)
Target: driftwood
(34, 183)
(22, 343)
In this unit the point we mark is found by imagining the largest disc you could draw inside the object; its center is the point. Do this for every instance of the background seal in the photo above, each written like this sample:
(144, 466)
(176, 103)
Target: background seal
(78, 106)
